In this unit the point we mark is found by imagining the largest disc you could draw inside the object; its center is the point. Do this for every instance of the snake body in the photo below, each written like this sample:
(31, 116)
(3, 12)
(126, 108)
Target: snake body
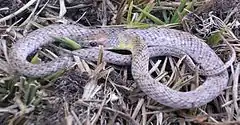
(180, 100)
(159, 42)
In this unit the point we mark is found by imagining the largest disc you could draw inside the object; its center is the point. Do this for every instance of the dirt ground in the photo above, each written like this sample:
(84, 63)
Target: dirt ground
(104, 94)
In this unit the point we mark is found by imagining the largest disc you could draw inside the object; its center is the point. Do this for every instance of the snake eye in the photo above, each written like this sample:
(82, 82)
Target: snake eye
(93, 43)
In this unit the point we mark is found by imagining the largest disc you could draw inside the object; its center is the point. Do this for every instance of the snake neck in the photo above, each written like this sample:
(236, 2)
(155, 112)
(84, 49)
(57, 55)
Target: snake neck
(140, 60)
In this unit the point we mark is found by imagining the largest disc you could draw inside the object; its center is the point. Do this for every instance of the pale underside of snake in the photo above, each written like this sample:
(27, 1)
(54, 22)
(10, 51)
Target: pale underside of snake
(158, 42)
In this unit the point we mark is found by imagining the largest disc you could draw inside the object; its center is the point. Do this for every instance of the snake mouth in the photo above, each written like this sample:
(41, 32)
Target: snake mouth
(120, 51)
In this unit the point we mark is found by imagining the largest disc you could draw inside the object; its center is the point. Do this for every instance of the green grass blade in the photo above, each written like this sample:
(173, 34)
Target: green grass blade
(165, 16)
(68, 42)
(129, 15)
(150, 16)
(175, 17)
(138, 25)
(30, 93)
(35, 59)
(215, 38)
(147, 9)
(188, 7)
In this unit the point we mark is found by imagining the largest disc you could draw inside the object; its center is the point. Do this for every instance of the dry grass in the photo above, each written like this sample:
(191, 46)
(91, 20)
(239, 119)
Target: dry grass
(90, 93)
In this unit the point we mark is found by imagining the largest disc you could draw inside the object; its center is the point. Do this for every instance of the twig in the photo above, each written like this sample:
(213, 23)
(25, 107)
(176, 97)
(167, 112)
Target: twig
(104, 7)
(63, 9)
(94, 121)
(138, 107)
(205, 113)
(19, 11)
(31, 15)
(124, 115)
(235, 89)
(233, 57)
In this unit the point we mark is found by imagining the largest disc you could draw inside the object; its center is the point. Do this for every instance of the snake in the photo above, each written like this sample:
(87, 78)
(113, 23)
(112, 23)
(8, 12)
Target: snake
(152, 42)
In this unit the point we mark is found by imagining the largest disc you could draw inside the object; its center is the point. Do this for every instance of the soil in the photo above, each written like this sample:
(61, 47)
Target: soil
(62, 101)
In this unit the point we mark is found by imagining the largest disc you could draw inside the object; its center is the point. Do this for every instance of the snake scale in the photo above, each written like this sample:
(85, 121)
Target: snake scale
(152, 42)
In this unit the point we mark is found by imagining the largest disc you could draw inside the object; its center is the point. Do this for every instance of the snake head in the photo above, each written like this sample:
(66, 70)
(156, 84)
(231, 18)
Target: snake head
(94, 40)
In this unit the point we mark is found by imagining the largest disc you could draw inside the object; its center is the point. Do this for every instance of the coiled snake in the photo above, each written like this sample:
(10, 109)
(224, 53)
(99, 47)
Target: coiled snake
(150, 43)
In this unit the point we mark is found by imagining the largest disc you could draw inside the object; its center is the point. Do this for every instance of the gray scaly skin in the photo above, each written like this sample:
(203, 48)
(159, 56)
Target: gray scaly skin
(211, 88)
(159, 42)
